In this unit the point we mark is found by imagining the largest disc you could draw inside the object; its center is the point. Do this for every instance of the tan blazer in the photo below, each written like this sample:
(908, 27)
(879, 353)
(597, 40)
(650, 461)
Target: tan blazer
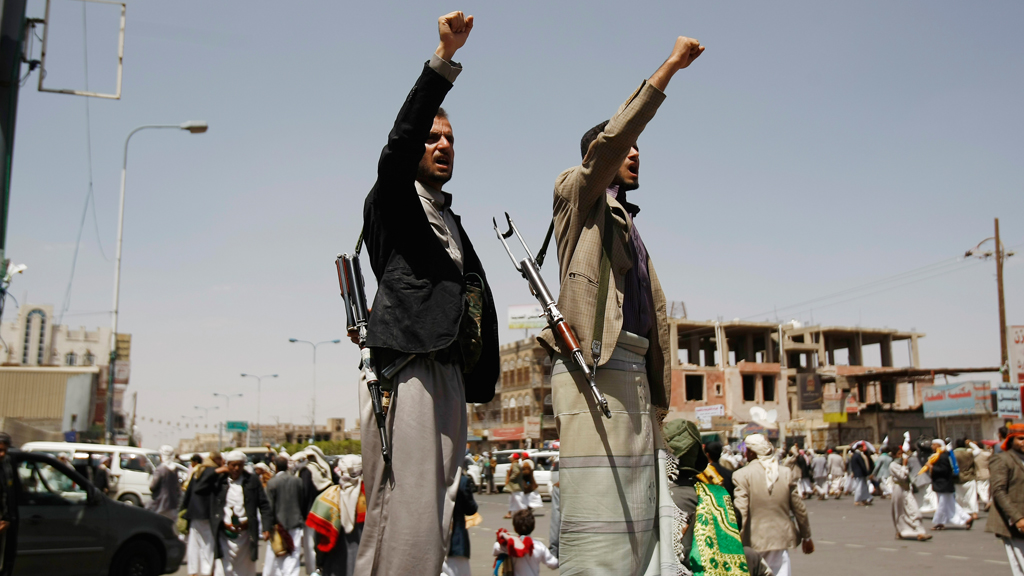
(579, 213)
(766, 517)
(1006, 488)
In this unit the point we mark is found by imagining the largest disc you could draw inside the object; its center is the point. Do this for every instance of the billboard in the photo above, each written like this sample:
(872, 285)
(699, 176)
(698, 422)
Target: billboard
(526, 316)
(1015, 348)
(957, 399)
(236, 426)
(832, 407)
(809, 386)
(1008, 400)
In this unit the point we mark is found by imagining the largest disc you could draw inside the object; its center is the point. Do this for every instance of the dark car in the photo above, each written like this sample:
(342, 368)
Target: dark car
(67, 526)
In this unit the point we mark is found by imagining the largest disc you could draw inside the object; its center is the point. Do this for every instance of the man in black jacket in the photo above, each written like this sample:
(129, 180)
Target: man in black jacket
(239, 495)
(861, 467)
(8, 508)
(197, 504)
(427, 272)
(947, 512)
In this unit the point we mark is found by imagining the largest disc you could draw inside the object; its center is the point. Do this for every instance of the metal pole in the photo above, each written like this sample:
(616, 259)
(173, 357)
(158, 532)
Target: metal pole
(117, 282)
(312, 425)
(1004, 356)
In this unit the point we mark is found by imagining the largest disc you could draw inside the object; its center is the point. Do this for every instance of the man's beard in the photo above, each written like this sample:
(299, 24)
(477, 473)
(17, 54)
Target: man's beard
(428, 174)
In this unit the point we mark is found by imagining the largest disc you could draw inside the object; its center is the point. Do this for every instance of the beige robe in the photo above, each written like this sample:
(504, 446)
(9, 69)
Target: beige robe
(905, 514)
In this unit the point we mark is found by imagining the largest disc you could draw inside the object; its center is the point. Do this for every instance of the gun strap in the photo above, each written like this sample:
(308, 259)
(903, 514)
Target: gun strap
(544, 247)
(359, 243)
(602, 287)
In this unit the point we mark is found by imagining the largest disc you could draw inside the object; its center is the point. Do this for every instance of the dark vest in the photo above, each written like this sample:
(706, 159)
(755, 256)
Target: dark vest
(421, 293)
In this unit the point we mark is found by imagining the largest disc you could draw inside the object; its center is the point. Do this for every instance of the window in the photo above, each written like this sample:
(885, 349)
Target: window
(136, 462)
(749, 388)
(768, 388)
(888, 391)
(70, 359)
(44, 485)
(88, 359)
(718, 389)
(694, 387)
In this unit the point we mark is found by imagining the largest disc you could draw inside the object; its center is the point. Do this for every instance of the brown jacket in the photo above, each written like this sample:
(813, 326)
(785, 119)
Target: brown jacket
(1006, 488)
(965, 461)
(580, 202)
(766, 517)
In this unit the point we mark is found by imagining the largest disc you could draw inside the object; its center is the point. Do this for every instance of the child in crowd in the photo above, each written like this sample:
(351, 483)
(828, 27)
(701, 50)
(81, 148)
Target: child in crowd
(523, 552)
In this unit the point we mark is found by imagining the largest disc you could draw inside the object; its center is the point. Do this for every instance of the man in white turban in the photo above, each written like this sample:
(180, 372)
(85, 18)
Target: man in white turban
(239, 506)
(766, 498)
(164, 486)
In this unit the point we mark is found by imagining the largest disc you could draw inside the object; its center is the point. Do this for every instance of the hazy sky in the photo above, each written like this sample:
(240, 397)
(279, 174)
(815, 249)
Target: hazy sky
(811, 149)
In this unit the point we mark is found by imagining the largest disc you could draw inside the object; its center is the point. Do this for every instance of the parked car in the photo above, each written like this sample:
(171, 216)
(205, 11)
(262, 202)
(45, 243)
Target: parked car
(475, 472)
(67, 526)
(545, 471)
(502, 457)
(131, 468)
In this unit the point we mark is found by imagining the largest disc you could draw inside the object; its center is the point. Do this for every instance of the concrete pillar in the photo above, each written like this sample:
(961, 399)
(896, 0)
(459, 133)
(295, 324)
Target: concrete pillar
(748, 348)
(769, 349)
(886, 348)
(856, 351)
(830, 351)
(694, 350)
(914, 358)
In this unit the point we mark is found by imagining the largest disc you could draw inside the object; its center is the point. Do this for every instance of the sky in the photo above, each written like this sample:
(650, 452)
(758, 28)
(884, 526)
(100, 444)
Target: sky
(812, 149)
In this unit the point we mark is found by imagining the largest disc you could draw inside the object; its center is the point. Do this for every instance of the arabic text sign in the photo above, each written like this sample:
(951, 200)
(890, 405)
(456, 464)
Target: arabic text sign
(958, 399)
(1008, 400)
(709, 411)
(526, 316)
(832, 407)
(1015, 347)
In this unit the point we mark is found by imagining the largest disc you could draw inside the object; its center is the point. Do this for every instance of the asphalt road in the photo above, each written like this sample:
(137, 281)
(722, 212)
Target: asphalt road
(849, 540)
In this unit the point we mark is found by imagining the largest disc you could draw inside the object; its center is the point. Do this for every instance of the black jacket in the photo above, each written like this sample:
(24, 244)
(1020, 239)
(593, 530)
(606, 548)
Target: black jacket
(421, 293)
(465, 505)
(860, 464)
(726, 475)
(255, 499)
(199, 495)
(942, 475)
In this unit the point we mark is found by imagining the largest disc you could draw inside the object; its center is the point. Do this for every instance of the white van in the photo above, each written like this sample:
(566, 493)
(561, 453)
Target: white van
(131, 468)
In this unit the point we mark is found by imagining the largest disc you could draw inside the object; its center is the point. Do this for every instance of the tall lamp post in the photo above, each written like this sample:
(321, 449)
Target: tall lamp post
(1000, 255)
(206, 416)
(193, 127)
(312, 425)
(259, 395)
(227, 414)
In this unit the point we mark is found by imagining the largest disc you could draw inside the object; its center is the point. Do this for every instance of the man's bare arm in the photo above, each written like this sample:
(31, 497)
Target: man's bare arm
(683, 54)
(454, 29)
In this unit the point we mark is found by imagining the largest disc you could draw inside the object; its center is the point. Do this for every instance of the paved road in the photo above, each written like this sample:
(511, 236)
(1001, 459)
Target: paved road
(850, 540)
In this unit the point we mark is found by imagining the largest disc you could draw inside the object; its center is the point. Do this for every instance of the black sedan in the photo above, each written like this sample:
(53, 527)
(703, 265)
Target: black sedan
(67, 526)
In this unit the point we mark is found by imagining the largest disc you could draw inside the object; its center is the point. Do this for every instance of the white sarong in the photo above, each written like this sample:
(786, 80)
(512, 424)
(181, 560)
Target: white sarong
(948, 512)
(200, 548)
(288, 565)
(235, 556)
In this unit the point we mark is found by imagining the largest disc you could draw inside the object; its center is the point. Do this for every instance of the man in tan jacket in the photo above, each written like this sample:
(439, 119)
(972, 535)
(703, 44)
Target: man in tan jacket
(609, 468)
(1006, 486)
(766, 497)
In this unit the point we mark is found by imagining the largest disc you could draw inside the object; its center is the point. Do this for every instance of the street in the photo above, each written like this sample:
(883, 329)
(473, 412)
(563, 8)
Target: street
(860, 540)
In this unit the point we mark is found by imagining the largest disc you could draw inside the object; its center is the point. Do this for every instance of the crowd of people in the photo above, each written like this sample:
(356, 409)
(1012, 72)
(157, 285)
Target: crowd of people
(300, 505)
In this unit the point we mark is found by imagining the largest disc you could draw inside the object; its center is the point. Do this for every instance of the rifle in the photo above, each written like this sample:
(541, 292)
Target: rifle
(530, 270)
(350, 277)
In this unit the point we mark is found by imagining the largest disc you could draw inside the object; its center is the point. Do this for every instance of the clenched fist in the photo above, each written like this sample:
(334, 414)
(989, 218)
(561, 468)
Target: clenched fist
(685, 52)
(454, 29)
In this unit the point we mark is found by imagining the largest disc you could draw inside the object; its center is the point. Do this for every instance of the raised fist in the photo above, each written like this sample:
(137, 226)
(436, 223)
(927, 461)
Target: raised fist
(454, 29)
(685, 52)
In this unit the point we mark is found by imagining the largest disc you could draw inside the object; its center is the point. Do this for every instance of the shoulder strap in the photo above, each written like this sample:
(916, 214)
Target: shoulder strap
(544, 246)
(602, 287)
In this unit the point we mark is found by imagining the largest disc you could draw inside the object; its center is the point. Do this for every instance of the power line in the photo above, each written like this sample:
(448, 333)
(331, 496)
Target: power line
(89, 196)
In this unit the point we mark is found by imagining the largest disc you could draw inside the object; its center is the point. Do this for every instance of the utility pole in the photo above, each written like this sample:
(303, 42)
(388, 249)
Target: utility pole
(12, 31)
(1004, 358)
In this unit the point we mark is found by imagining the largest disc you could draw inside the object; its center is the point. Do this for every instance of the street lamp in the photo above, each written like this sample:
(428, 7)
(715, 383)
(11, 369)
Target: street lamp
(206, 413)
(1000, 255)
(259, 393)
(227, 414)
(312, 426)
(193, 127)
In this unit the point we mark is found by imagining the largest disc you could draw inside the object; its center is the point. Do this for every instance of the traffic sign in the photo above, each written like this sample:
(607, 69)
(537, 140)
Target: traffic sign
(237, 426)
